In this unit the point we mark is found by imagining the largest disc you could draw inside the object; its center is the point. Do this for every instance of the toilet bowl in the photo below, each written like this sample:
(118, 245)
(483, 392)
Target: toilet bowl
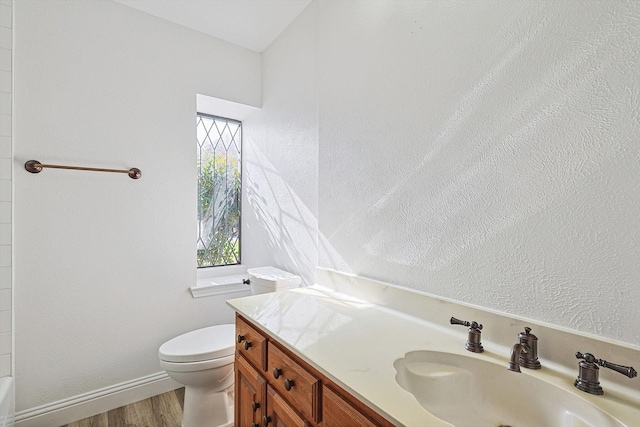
(202, 360)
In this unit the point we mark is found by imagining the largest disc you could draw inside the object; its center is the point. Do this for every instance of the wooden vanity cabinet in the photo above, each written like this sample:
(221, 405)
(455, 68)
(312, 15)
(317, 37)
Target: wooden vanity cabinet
(275, 388)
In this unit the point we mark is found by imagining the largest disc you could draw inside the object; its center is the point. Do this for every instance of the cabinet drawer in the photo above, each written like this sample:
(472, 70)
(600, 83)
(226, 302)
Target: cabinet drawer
(294, 382)
(251, 344)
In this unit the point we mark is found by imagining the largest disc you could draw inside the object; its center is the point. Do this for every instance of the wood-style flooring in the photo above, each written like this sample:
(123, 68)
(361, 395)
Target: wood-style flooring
(164, 410)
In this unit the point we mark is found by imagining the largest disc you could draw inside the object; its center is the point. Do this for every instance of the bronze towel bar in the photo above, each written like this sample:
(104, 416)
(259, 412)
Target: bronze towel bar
(35, 166)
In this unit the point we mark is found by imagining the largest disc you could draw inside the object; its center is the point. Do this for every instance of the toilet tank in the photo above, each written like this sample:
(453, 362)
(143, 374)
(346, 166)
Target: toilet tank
(271, 279)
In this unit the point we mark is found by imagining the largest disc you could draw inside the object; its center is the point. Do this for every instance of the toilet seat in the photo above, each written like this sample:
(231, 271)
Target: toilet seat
(214, 342)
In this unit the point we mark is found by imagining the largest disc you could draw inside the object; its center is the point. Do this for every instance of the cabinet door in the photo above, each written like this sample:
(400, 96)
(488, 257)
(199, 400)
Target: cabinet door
(337, 412)
(250, 391)
(279, 413)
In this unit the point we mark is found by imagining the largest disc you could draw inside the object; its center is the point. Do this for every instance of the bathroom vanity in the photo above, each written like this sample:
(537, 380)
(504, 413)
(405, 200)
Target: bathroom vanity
(350, 351)
(274, 387)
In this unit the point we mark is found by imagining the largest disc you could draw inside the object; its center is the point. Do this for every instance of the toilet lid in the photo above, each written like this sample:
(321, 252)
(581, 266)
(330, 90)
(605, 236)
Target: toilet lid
(209, 343)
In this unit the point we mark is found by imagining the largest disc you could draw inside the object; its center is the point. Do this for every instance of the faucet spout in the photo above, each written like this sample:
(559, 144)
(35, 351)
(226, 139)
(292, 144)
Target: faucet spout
(514, 358)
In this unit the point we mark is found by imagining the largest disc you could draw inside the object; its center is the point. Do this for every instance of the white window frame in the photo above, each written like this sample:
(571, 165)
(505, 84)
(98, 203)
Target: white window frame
(223, 279)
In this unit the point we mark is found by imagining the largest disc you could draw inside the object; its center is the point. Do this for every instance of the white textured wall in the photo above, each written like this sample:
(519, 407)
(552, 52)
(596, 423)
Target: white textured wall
(486, 152)
(281, 153)
(102, 262)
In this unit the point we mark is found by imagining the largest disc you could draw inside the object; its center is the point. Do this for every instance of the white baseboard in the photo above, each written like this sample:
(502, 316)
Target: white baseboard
(85, 405)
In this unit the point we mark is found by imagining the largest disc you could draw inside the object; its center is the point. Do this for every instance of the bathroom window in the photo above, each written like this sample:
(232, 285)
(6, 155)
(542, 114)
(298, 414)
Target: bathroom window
(219, 149)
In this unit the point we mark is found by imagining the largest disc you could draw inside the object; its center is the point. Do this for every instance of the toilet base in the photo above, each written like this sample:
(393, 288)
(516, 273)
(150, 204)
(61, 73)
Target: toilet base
(207, 409)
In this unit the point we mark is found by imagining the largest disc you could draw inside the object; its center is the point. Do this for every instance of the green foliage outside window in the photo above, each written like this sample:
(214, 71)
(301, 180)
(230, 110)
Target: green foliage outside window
(219, 192)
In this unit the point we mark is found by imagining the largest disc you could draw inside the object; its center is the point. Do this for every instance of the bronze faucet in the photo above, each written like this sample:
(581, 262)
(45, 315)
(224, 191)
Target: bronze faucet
(473, 340)
(525, 352)
(588, 372)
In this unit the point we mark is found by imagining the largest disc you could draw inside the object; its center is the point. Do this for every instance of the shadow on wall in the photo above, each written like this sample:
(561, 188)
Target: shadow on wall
(289, 229)
(448, 199)
(520, 186)
(459, 182)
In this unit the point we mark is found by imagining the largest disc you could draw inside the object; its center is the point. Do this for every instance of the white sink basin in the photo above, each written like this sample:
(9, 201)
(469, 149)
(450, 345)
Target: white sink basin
(470, 392)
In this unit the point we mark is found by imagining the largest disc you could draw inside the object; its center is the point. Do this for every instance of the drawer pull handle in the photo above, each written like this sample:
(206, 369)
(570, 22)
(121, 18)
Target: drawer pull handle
(288, 384)
(277, 372)
(255, 406)
(247, 345)
(266, 420)
(240, 338)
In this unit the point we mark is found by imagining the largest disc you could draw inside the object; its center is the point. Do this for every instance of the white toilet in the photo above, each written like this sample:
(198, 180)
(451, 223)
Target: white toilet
(202, 360)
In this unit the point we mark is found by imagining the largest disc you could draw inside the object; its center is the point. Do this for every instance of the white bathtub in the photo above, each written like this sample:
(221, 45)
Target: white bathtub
(7, 408)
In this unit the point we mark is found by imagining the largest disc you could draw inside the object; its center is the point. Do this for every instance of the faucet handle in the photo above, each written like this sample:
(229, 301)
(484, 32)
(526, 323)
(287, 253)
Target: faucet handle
(473, 340)
(624, 370)
(588, 372)
(472, 325)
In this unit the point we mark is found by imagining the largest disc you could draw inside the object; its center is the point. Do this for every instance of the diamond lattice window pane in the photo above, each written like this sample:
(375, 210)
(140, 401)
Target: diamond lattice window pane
(219, 148)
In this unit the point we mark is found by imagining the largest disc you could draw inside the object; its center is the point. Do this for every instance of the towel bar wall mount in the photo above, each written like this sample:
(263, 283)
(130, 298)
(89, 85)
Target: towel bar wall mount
(35, 166)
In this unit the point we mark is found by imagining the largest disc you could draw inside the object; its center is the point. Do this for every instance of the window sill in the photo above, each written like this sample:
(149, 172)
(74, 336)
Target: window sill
(212, 288)
(217, 284)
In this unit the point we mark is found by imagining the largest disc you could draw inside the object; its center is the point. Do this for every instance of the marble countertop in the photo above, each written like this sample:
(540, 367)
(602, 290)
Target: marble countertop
(355, 343)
